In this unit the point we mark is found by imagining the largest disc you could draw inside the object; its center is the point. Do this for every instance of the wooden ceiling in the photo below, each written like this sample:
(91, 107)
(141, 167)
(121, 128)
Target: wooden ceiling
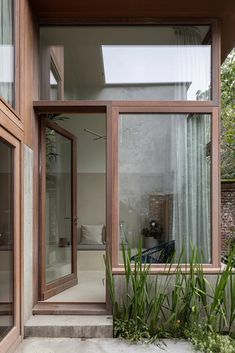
(77, 11)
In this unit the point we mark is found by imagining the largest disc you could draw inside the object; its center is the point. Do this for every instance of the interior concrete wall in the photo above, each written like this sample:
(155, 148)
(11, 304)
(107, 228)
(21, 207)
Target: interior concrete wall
(28, 232)
(91, 167)
(91, 200)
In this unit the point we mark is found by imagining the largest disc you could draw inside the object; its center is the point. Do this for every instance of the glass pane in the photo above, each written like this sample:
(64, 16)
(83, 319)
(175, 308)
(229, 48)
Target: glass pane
(89, 130)
(6, 239)
(7, 51)
(134, 62)
(164, 184)
(54, 88)
(58, 206)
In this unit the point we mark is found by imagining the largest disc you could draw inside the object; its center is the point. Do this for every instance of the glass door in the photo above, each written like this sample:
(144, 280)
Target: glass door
(9, 240)
(59, 210)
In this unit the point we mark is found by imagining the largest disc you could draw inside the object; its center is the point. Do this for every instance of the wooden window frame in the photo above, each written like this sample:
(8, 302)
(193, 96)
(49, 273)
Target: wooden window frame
(153, 108)
(14, 335)
(113, 109)
(58, 78)
(15, 109)
(215, 41)
(49, 62)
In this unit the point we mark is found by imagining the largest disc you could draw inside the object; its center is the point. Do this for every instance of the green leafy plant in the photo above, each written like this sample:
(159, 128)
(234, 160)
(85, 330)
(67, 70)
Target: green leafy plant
(154, 230)
(228, 117)
(208, 341)
(174, 303)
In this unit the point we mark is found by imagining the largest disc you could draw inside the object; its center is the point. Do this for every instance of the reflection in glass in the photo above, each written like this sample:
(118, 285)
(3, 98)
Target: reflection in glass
(7, 51)
(58, 206)
(134, 62)
(6, 239)
(54, 87)
(164, 183)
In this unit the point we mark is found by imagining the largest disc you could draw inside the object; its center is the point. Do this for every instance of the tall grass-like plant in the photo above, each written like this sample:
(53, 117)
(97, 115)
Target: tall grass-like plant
(139, 313)
(172, 303)
(184, 297)
(230, 303)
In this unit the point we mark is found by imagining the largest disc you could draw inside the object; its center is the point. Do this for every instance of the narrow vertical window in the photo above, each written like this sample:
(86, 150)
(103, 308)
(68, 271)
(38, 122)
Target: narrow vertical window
(7, 51)
(6, 239)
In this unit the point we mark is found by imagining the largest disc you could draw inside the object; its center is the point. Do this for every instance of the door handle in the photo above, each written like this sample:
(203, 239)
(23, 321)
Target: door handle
(74, 219)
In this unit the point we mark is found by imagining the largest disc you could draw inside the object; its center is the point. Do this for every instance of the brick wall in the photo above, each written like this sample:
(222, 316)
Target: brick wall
(227, 213)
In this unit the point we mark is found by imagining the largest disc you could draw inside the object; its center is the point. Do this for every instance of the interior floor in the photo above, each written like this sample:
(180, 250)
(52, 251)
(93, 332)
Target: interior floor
(90, 288)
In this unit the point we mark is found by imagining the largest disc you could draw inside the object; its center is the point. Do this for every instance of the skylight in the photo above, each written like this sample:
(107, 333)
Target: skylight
(154, 64)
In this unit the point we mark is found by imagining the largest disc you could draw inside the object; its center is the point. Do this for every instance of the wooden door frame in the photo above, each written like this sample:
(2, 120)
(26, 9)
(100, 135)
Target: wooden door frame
(59, 285)
(112, 109)
(50, 107)
(14, 334)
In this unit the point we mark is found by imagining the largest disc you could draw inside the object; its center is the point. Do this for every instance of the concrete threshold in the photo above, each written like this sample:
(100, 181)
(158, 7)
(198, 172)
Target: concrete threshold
(99, 345)
(72, 326)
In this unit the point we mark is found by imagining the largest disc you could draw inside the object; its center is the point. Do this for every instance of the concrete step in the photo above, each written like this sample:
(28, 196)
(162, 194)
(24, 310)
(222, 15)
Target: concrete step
(83, 326)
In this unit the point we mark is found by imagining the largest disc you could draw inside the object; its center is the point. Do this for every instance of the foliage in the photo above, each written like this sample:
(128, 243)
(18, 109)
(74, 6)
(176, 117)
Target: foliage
(173, 305)
(154, 230)
(210, 341)
(228, 117)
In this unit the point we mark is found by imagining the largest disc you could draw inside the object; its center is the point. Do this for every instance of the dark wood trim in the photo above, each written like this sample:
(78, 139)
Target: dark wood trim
(16, 42)
(146, 109)
(216, 62)
(74, 106)
(116, 21)
(228, 185)
(46, 308)
(115, 186)
(17, 57)
(6, 309)
(15, 331)
(215, 189)
(10, 118)
(109, 187)
(50, 289)
(40, 261)
(90, 106)
(57, 288)
(164, 104)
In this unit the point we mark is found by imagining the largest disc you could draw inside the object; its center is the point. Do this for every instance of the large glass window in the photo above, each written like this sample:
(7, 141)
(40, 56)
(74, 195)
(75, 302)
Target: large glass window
(6, 240)
(133, 62)
(165, 184)
(7, 51)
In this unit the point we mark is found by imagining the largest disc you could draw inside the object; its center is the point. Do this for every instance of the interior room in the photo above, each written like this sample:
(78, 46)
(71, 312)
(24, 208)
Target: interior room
(164, 185)
(89, 131)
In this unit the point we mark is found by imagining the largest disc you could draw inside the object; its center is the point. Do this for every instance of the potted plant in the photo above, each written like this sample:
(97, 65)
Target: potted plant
(152, 234)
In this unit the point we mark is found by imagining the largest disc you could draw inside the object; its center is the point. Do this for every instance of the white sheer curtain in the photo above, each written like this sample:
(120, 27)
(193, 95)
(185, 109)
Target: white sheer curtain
(6, 51)
(191, 169)
(191, 224)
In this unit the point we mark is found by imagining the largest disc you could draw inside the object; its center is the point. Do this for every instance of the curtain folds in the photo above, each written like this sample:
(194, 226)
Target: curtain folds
(191, 168)
(192, 196)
